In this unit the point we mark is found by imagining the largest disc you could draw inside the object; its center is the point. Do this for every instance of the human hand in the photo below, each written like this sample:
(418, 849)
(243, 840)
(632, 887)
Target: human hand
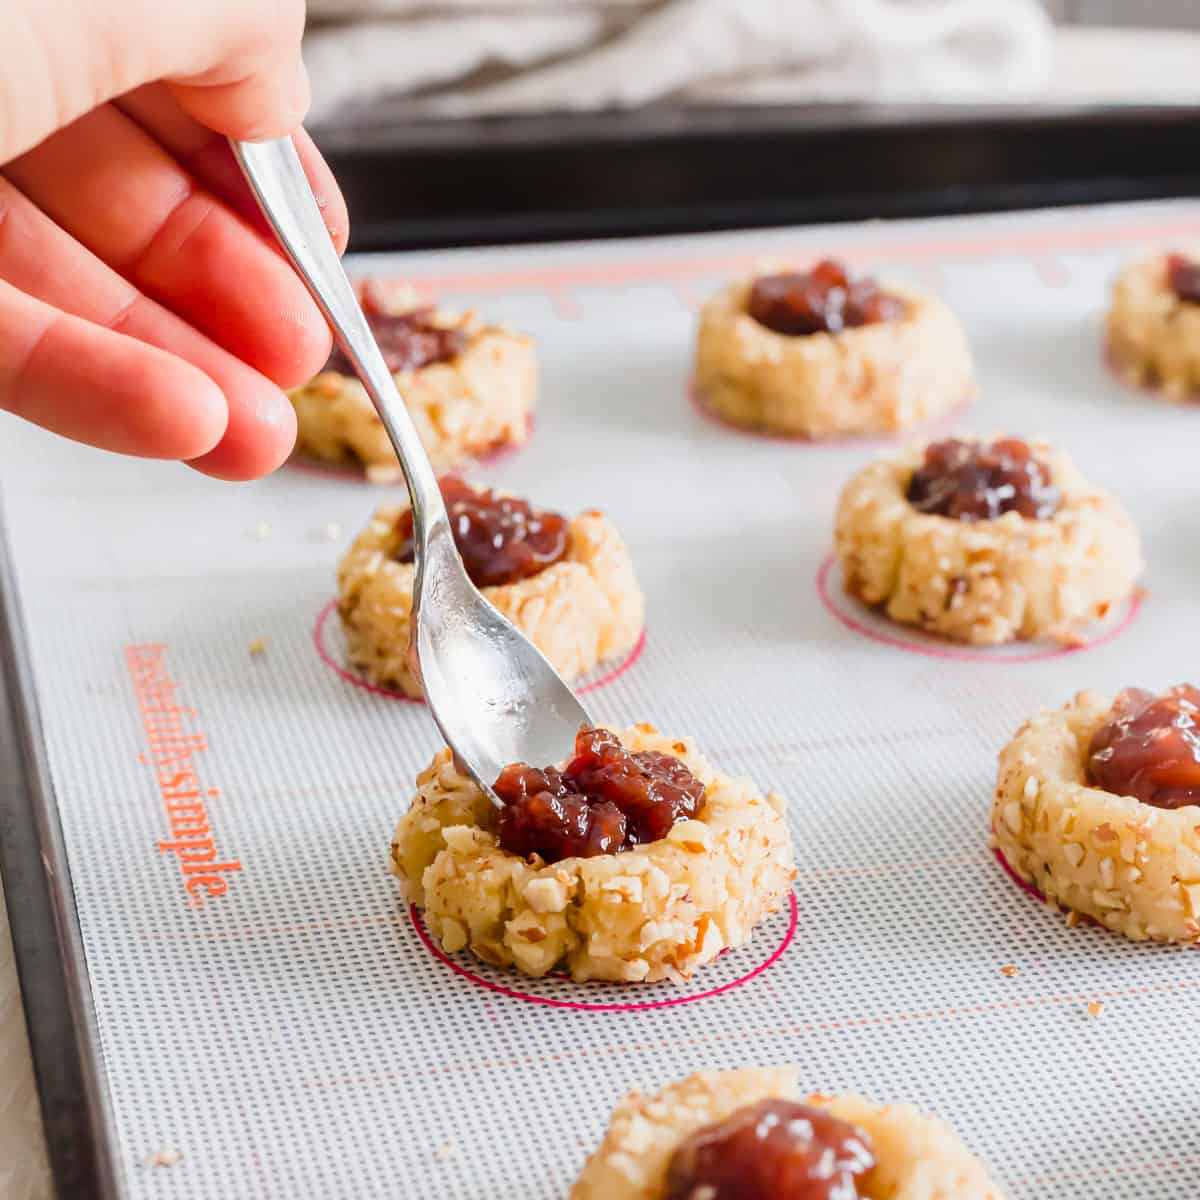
(143, 305)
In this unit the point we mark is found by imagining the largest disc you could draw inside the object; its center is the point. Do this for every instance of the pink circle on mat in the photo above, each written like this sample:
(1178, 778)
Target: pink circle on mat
(1030, 890)
(356, 473)
(318, 638)
(946, 420)
(938, 649)
(582, 1006)
(332, 661)
(1027, 888)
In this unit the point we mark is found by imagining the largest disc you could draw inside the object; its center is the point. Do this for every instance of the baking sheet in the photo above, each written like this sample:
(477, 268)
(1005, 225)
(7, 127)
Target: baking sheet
(298, 1035)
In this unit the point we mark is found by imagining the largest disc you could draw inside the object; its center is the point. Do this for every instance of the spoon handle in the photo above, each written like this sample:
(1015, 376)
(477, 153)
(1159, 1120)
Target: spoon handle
(277, 179)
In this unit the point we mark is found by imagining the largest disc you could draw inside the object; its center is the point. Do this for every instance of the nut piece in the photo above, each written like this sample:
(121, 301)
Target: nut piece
(163, 1158)
(693, 836)
(546, 894)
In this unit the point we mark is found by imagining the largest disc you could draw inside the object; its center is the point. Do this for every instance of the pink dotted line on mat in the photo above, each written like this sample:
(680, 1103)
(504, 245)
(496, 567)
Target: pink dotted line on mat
(249, 931)
(1024, 885)
(583, 1006)
(323, 652)
(819, 874)
(625, 272)
(963, 654)
(771, 1033)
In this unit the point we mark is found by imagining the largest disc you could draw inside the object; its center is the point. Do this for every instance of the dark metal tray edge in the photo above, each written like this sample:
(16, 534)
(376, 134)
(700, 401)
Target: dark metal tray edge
(47, 946)
(661, 170)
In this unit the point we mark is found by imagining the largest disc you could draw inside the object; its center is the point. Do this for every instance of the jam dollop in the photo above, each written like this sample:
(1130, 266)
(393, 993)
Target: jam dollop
(408, 340)
(501, 538)
(979, 481)
(606, 799)
(1183, 277)
(823, 300)
(1150, 747)
(772, 1150)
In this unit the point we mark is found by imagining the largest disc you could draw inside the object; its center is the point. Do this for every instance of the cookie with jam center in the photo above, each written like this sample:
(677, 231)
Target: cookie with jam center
(470, 388)
(567, 583)
(822, 352)
(1097, 807)
(1153, 323)
(634, 861)
(985, 540)
(752, 1134)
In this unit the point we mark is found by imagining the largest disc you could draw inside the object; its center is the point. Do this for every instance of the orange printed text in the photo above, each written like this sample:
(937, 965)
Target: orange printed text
(173, 745)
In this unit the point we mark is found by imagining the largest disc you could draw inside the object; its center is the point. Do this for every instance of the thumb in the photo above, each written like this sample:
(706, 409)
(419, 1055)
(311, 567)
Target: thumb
(268, 103)
(245, 77)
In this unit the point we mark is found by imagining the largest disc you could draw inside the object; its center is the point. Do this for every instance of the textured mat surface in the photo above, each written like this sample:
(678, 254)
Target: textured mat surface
(273, 1021)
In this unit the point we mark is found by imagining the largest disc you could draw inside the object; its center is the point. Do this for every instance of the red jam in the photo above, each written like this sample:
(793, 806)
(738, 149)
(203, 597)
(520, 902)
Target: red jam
(823, 300)
(501, 539)
(773, 1150)
(979, 481)
(408, 341)
(1183, 277)
(1150, 747)
(603, 801)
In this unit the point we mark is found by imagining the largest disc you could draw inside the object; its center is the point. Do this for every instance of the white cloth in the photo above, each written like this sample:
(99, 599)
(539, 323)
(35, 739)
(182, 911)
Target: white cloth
(473, 57)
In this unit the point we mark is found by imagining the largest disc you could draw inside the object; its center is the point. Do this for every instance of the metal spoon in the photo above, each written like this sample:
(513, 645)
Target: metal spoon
(492, 693)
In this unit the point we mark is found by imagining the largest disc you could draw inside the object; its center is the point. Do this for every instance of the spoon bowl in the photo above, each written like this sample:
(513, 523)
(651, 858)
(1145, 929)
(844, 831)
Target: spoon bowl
(492, 693)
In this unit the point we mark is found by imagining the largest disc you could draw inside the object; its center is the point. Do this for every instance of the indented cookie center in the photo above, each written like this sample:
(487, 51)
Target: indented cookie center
(980, 481)
(501, 538)
(603, 801)
(408, 341)
(1149, 748)
(772, 1150)
(823, 300)
(1183, 277)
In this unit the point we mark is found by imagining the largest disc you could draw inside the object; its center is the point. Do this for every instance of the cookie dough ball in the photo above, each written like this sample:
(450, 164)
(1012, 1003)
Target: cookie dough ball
(814, 354)
(568, 585)
(634, 861)
(1154, 323)
(1097, 806)
(470, 389)
(685, 1141)
(985, 541)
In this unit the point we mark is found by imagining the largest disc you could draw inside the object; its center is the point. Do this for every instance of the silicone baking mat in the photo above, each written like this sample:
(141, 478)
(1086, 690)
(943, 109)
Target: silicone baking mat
(275, 1023)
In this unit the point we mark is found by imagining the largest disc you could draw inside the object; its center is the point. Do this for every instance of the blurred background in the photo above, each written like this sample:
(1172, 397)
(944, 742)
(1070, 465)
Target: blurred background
(454, 121)
(378, 60)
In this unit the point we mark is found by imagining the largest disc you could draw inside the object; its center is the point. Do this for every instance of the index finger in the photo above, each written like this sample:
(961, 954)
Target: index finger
(208, 157)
